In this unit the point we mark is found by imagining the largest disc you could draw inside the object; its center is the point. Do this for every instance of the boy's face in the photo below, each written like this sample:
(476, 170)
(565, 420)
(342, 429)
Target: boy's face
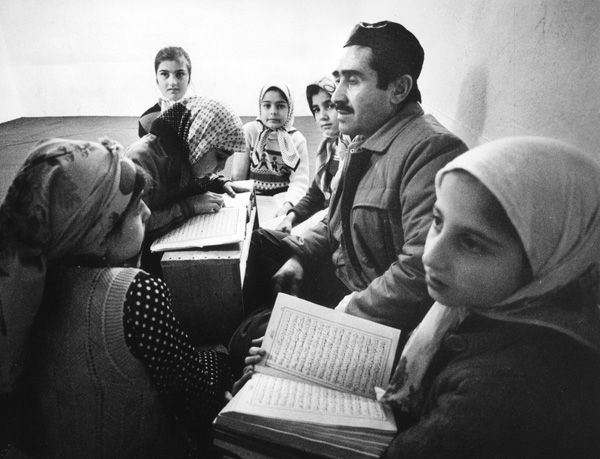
(173, 79)
(470, 260)
(362, 107)
(274, 109)
(325, 114)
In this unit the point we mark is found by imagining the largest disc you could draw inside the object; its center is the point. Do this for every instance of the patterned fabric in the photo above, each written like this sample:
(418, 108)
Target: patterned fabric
(550, 192)
(272, 175)
(63, 202)
(289, 153)
(166, 104)
(326, 83)
(192, 382)
(331, 154)
(201, 124)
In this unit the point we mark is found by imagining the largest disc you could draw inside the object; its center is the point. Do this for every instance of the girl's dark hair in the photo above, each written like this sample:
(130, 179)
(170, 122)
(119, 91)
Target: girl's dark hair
(172, 53)
(311, 91)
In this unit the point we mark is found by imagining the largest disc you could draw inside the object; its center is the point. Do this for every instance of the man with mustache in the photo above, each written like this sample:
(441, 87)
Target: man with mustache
(365, 258)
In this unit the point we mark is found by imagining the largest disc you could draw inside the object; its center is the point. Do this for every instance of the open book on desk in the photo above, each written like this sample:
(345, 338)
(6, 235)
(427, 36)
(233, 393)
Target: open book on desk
(227, 226)
(314, 391)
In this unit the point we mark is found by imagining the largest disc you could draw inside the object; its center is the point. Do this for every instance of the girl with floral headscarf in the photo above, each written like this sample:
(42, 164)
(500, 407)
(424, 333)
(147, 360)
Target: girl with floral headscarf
(91, 355)
(506, 363)
(275, 156)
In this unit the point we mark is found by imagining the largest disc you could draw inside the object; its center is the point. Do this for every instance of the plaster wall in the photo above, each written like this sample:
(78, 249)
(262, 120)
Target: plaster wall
(492, 69)
(518, 67)
(10, 103)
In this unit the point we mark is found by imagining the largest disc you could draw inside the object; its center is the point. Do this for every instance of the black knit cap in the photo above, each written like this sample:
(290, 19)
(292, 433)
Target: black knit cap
(391, 40)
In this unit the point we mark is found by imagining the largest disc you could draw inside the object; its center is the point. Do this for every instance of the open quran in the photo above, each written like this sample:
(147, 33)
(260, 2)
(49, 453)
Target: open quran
(314, 391)
(227, 226)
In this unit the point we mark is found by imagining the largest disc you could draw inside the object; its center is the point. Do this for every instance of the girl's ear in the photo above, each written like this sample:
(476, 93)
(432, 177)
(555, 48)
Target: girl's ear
(400, 88)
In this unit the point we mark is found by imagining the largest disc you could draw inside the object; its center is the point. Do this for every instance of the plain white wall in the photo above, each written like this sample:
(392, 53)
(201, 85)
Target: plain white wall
(10, 106)
(512, 67)
(81, 57)
(492, 69)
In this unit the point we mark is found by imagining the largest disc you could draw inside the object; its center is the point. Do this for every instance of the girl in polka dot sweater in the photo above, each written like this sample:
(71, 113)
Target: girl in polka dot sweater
(106, 370)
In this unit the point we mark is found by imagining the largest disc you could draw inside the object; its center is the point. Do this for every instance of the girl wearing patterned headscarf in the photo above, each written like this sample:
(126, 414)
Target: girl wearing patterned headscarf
(276, 155)
(507, 361)
(187, 145)
(90, 352)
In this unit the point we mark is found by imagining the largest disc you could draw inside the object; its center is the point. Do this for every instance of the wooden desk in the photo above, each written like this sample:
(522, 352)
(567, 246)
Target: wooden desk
(206, 286)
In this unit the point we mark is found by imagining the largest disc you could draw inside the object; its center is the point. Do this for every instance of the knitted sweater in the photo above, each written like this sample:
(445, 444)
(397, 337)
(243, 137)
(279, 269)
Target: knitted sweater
(95, 398)
(272, 175)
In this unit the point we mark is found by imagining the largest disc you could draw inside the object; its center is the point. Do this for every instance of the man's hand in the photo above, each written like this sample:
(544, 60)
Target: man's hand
(205, 203)
(289, 277)
(343, 304)
(287, 206)
(287, 223)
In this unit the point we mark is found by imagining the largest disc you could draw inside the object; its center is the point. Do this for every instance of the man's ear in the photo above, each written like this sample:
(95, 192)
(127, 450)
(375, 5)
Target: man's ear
(401, 87)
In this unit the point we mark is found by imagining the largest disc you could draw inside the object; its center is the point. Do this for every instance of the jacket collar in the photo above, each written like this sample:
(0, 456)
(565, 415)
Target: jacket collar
(385, 135)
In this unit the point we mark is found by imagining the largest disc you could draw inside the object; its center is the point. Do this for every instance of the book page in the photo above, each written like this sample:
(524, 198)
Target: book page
(240, 199)
(267, 207)
(273, 397)
(315, 344)
(224, 227)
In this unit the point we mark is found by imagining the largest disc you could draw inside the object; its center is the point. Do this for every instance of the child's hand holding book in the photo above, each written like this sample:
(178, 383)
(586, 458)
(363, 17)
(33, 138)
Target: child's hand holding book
(255, 355)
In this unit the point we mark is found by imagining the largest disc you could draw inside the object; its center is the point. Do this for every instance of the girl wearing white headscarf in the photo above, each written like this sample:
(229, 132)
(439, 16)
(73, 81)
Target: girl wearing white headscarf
(276, 155)
(506, 363)
(91, 355)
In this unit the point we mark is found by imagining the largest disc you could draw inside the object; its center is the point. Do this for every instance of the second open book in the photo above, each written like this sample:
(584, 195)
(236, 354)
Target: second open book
(318, 381)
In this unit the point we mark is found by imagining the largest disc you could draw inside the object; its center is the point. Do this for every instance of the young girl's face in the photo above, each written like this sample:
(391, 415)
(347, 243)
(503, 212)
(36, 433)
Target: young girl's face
(274, 109)
(471, 258)
(173, 78)
(325, 114)
(211, 162)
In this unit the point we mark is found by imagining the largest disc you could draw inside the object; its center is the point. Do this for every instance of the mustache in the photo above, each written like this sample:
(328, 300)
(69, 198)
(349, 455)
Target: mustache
(343, 107)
